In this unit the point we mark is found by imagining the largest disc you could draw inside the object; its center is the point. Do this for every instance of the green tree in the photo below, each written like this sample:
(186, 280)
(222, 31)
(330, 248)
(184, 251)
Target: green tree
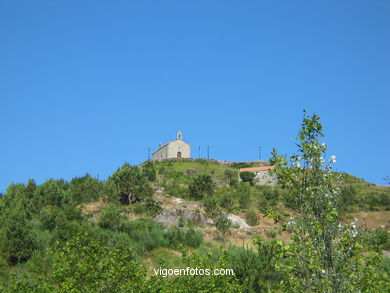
(52, 192)
(131, 184)
(201, 186)
(85, 189)
(324, 255)
(17, 242)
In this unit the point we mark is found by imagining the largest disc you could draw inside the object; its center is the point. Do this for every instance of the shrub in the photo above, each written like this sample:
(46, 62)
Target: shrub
(152, 207)
(138, 208)
(147, 233)
(227, 201)
(381, 237)
(247, 177)
(149, 170)
(271, 194)
(251, 218)
(201, 186)
(111, 218)
(231, 177)
(348, 196)
(177, 237)
(222, 223)
(243, 195)
(211, 206)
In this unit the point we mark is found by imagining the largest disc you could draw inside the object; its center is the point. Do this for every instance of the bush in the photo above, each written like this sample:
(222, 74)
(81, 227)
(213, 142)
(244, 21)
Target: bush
(152, 207)
(211, 206)
(251, 218)
(177, 237)
(138, 208)
(147, 233)
(231, 177)
(271, 194)
(149, 170)
(381, 237)
(247, 177)
(243, 195)
(222, 223)
(201, 186)
(348, 196)
(111, 218)
(227, 201)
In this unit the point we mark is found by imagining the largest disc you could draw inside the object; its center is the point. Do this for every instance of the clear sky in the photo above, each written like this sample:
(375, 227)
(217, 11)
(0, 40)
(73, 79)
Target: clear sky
(88, 85)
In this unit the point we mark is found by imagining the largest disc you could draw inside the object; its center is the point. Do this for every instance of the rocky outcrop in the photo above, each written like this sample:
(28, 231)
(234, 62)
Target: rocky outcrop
(237, 221)
(172, 216)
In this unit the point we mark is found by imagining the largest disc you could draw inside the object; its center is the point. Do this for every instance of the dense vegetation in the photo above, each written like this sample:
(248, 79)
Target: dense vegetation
(51, 242)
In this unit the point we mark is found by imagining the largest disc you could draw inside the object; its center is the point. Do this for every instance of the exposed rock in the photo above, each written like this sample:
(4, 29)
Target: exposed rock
(236, 220)
(171, 216)
(160, 190)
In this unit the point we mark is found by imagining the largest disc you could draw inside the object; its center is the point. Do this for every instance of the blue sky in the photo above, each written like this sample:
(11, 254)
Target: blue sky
(88, 85)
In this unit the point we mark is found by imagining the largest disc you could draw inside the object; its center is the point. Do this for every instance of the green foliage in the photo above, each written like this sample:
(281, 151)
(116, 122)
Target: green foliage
(207, 283)
(178, 237)
(139, 208)
(243, 195)
(111, 218)
(146, 233)
(149, 170)
(271, 194)
(17, 241)
(85, 189)
(247, 176)
(381, 237)
(222, 223)
(152, 207)
(231, 177)
(53, 192)
(211, 206)
(201, 186)
(131, 184)
(323, 256)
(257, 270)
(84, 265)
(251, 218)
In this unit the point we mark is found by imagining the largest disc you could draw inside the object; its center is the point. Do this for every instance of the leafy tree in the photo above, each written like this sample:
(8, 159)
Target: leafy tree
(247, 177)
(201, 186)
(17, 242)
(83, 264)
(52, 192)
(324, 255)
(131, 184)
(85, 189)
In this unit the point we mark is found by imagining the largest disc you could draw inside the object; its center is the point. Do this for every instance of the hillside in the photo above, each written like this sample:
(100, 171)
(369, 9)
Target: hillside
(164, 211)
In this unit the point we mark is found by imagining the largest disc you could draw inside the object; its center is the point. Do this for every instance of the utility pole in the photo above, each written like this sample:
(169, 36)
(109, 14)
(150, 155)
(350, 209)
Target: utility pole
(259, 153)
(208, 152)
(148, 153)
(199, 153)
